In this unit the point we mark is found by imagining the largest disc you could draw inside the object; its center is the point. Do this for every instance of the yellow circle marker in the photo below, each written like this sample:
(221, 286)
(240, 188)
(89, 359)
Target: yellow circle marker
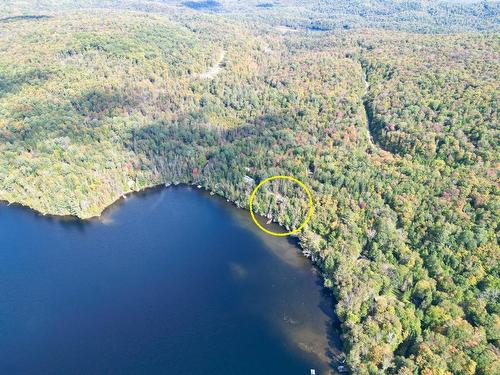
(309, 213)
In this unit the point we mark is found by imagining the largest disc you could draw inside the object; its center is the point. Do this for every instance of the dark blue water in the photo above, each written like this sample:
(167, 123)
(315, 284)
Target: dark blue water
(167, 282)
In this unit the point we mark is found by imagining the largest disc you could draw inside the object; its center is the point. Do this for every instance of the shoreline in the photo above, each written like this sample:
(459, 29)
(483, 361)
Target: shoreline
(123, 197)
(304, 252)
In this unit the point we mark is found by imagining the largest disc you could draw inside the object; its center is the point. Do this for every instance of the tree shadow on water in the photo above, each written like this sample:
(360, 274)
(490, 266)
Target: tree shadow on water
(332, 327)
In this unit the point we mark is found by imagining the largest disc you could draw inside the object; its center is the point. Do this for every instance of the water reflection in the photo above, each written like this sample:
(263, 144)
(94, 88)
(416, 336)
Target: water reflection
(312, 333)
(169, 278)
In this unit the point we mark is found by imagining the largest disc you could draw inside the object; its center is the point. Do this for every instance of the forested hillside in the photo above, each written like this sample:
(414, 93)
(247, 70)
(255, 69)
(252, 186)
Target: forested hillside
(395, 132)
(317, 15)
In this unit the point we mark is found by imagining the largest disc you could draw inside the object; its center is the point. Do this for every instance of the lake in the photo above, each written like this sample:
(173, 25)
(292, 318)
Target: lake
(168, 281)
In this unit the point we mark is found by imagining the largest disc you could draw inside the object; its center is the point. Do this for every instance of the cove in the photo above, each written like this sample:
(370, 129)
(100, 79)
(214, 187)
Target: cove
(169, 281)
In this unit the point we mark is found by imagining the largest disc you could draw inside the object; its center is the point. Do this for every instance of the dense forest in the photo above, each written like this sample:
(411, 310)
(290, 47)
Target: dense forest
(387, 110)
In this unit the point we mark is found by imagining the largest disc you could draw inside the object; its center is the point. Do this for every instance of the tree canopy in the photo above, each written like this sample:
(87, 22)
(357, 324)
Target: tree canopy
(395, 132)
